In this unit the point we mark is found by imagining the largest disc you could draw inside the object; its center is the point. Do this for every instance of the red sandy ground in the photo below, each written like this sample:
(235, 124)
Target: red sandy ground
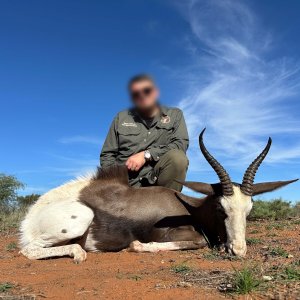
(126, 275)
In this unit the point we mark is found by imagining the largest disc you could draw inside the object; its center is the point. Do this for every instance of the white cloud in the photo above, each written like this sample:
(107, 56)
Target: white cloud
(80, 139)
(234, 90)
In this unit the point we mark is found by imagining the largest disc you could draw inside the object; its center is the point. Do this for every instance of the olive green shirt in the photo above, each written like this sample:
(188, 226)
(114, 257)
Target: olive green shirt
(129, 134)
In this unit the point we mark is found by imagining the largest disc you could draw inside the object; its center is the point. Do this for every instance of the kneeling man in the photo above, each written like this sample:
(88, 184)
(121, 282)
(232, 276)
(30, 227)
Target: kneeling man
(151, 140)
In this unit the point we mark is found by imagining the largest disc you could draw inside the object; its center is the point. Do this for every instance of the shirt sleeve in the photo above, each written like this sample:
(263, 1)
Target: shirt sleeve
(179, 139)
(109, 152)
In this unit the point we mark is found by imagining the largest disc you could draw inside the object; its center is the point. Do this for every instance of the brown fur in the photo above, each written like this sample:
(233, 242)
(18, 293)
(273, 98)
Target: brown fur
(116, 174)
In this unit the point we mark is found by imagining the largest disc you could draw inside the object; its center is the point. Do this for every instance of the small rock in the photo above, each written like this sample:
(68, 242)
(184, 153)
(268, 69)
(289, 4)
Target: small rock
(267, 278)
(265, 247)
(160, 286)
(184, 284)
(290, 256)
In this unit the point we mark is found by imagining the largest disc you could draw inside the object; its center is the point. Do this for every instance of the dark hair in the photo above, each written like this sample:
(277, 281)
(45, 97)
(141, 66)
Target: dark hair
(138, 78)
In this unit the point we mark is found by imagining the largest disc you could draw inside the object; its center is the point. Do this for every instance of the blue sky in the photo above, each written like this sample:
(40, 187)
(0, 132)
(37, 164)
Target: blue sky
(232, 66)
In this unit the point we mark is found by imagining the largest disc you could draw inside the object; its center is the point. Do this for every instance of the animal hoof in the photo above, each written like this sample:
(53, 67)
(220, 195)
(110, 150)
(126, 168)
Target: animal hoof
(79, 254)
(136, 246)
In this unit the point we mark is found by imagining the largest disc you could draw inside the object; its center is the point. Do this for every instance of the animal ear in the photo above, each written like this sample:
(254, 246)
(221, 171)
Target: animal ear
(190, 201)
(201, 187)
(265, 187)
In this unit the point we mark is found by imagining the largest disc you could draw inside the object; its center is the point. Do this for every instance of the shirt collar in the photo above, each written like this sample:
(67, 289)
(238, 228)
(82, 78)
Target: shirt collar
(163, 110)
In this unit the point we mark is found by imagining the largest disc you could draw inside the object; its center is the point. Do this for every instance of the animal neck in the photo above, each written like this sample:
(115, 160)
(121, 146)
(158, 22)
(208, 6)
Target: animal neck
(206, 216)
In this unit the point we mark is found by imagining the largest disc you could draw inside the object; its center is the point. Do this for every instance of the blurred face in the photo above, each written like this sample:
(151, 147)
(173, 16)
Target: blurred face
(144, 95)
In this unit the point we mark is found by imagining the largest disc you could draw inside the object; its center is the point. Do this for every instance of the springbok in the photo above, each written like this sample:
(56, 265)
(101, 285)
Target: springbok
(103, 213)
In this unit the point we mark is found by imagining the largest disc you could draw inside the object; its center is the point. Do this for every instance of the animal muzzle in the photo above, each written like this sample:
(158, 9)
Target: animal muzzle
(238, 248)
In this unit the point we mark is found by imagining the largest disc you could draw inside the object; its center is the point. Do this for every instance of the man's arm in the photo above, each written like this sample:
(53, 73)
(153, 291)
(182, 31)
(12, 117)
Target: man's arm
(108, 156)
(179, 139)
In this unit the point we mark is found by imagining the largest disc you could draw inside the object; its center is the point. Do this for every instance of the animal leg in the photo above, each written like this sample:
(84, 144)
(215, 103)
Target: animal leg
(153, 247)
(36, 252)
(170, 239)
(58, 231)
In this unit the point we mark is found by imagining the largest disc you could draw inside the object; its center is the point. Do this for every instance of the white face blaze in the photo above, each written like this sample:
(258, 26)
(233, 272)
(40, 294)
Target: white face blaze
(237, 207)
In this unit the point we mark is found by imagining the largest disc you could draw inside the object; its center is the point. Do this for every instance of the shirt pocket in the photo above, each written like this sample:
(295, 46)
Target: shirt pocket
(164, 133)
(129, 137)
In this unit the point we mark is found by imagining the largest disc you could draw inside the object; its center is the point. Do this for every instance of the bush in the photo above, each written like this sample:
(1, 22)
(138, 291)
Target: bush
(276, 209)
(25, 201)
(11, 220)
(245, 281)
(9, 185)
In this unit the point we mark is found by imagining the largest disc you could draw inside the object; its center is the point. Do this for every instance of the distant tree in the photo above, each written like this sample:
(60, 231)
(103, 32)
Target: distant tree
(297, 209)
(24, 201)
(9, 185)
(276, 209)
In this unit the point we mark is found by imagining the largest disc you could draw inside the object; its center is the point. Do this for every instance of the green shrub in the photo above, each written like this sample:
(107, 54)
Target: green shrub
(253, 241)
(26, 201)
(297, 210)
(181, 268)
(12, 219)
(245, 281)
(11, 246)
(276, 209)
(278, 251)
(9, 185)
(5, 286)
(291, 273)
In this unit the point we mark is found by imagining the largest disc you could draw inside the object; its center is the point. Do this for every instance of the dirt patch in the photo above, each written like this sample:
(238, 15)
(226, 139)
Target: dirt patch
(202, 274)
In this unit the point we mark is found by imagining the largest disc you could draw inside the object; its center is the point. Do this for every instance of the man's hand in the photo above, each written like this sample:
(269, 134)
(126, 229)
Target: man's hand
(136, 161)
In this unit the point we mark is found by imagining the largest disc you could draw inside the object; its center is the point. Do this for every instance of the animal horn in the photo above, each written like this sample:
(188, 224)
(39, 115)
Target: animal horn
(248, 179)
(222, 174)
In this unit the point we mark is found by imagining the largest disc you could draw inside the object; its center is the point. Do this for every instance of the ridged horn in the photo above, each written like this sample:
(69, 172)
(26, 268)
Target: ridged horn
(248, 179)
(222, 174)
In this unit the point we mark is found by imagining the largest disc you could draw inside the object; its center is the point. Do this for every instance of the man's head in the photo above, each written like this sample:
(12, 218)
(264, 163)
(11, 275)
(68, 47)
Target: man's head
(143, 92)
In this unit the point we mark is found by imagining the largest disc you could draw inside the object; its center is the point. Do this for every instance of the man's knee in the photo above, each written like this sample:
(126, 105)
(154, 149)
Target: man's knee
(177, 159)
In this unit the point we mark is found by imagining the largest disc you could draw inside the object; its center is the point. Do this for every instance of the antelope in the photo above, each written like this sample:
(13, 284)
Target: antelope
(103, 213)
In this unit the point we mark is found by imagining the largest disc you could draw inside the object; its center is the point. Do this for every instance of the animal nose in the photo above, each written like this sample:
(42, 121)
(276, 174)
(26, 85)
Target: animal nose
(239, 248)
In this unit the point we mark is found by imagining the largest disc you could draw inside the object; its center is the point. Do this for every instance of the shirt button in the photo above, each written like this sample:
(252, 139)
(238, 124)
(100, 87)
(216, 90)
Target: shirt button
(149, 132)
(145, 140)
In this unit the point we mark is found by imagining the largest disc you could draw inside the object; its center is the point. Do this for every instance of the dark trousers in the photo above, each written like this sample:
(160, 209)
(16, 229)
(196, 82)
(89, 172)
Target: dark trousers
(172, 165)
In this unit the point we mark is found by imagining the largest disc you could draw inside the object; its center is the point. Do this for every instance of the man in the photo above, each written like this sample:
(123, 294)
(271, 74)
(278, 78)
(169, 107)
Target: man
(151, 140)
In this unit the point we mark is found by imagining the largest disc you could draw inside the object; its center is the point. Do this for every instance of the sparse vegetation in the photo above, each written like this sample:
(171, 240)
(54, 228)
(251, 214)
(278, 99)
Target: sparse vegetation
(181, 268)
(12, 206)
(12, 219)
(6, 286)
(291, 273)
(276, 209)
(11, 246)
(277, 226)
(278, 251)
(135, 277)
(215, 254)
(253, 241)
(245, 281)
(25, 201)
(9, 185)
